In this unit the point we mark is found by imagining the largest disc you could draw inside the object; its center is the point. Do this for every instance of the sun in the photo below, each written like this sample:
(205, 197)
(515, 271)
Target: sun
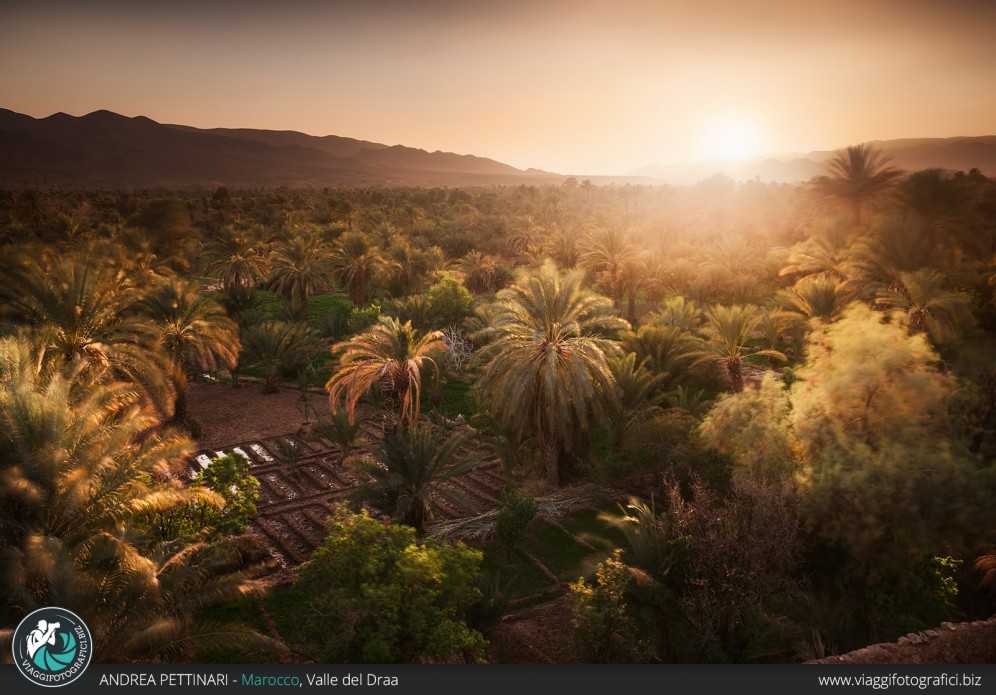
(731, 137)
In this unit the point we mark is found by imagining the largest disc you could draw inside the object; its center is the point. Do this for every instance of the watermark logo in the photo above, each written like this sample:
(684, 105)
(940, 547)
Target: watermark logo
(52, 647)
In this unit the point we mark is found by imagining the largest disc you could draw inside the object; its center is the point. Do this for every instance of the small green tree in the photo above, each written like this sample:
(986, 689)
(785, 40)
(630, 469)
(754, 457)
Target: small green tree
(374, 594)
(599, 618)
(229, 477)
(225, 509)
(514, 516)
(450, 300)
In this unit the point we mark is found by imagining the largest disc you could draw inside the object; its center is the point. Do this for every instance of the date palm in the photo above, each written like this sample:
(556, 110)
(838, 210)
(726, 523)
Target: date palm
(409, 471)
(856, 176)
(606, 250)
(930, 306)
(76, 465)
(546, 372)
(276, 344)
(299, 267)
(818, 298)
(82, 310)
(730, 330)
(392, 355)
(238, 258)
(355, 261)
(192, 327)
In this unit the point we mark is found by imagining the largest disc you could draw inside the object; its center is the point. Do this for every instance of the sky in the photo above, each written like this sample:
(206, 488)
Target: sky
(572, 86)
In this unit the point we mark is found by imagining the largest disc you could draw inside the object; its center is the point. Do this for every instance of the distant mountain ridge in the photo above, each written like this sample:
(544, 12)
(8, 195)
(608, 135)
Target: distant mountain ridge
(910, 154)
(105, 149)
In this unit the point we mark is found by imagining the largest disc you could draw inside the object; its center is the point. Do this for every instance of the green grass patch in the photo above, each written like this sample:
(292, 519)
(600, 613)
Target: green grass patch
(457, 399)
(518, 580)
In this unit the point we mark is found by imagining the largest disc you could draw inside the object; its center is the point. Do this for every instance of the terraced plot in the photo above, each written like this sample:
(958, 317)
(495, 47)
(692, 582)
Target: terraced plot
(294, 500)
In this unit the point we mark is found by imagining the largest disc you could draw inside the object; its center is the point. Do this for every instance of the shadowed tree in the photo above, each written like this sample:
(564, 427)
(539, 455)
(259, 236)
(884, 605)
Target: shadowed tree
(299, 267)
(669, 352)
(75, 469)
(546, 373)
(238, 258)
(479, 272)
(391, 355)
(193, 327)
(409, 471)
(606, 250)
(817, 298)
(638, 390)
(856, 176)
(276, 344)
(82, 310)
(730, 330)
(931, 307)
(355, 262)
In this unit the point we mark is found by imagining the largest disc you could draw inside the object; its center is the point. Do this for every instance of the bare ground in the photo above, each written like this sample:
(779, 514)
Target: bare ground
(228, 415)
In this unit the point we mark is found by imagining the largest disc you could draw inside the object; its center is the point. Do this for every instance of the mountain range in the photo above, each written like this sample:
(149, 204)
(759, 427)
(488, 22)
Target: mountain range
(107, 150)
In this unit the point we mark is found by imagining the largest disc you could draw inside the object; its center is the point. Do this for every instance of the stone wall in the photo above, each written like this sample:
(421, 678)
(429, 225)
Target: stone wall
(951, 643)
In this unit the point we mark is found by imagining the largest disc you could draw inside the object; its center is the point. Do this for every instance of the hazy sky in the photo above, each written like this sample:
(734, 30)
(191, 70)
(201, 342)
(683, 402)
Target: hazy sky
(573, 86)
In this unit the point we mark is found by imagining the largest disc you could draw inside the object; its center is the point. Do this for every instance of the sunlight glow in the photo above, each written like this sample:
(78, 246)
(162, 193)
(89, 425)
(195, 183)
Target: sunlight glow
(731, 137)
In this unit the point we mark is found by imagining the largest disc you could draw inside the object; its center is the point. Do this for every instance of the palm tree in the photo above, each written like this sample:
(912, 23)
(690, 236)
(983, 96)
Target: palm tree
(546, 371)
(409, 265)
(632, 279)
(76, 465)
(82, 310)
(192, 326)
(817, 298)
(857, 177)
(606, 251)
(931, 307)
(391, 355)
(478, 272)
(731, 329)
(355, 262)
(276, 344)
(300, 267)
(638, 390)
(669, 352)
(410, 470)
(238, 258)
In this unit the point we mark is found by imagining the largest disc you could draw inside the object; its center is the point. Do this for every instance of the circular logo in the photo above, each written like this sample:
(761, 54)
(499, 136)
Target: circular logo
(52, 647)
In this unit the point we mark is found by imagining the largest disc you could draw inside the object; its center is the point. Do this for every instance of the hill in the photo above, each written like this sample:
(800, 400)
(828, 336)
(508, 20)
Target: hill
(105, 149)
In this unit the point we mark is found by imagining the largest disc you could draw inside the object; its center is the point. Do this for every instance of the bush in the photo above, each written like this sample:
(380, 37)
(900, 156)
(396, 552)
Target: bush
(377, 595)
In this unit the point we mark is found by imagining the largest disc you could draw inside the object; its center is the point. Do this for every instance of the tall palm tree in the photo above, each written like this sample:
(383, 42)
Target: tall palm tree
(300, 267)
(409, 265)
(638, 391)
(391, 355)
(546, 371)
(606, 251)
(632, 279)
(409, 472)
(238, 258)
(669, 352)
(83, 310)
(931, 307)
(194, 327)
(479, 272)
(277, 344)
(856, 176)
(817, 298)
(75, 493)
(730, 330)
(355, 261)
